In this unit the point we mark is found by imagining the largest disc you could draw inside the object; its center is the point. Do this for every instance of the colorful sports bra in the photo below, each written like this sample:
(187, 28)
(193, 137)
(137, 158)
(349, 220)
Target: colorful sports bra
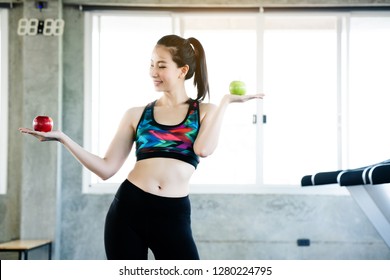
(168, 141)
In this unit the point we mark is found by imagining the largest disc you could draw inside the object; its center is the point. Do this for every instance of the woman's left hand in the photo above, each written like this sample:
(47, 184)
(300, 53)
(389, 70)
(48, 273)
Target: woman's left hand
(231, 98)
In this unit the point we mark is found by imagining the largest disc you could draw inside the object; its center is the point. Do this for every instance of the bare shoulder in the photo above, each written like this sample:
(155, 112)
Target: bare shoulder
(206, 108)
(135, 111)
(132, 116)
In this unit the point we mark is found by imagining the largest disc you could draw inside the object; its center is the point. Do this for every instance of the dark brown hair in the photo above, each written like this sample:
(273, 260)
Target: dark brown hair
(189, 52)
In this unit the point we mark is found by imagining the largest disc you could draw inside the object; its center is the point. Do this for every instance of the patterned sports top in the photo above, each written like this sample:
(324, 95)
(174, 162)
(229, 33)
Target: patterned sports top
(168, 141)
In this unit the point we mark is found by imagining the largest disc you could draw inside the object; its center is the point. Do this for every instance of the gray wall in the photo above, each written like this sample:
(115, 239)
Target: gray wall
(44, 198)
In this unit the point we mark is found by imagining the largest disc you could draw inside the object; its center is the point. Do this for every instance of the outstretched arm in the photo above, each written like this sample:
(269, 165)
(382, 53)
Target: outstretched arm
(207, 139)
(106, 166)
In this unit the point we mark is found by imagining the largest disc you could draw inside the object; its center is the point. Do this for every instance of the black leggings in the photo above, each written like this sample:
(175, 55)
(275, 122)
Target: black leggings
(138, 220)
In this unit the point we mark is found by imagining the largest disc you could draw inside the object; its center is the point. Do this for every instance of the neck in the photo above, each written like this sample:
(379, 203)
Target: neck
(172, 100)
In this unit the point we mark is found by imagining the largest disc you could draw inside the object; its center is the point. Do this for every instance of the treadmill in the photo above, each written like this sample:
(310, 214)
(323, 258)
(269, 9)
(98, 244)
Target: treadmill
(370, 188)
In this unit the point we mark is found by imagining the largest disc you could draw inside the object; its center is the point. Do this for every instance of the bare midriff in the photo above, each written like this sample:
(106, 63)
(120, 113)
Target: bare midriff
(162, 176)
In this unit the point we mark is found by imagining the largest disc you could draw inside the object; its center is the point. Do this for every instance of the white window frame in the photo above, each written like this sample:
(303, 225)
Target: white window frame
(258, 188)
(4, 101)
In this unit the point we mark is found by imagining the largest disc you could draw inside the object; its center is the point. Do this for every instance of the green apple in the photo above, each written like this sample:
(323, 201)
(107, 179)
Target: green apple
(237, 88)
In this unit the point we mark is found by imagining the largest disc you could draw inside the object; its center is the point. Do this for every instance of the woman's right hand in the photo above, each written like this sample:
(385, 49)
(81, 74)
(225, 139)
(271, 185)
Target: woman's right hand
(43, 136)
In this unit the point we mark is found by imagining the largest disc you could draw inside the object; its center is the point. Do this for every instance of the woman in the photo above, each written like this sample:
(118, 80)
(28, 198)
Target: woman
(151, 208)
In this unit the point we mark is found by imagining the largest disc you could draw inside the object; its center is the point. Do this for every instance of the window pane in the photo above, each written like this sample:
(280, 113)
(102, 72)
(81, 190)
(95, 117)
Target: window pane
(122, 47)
(230, 45)
(369, 96)
(300, 82)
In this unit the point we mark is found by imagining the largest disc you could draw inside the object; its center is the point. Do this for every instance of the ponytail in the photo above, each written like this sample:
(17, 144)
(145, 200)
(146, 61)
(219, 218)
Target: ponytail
(201, 75)
(189, 52)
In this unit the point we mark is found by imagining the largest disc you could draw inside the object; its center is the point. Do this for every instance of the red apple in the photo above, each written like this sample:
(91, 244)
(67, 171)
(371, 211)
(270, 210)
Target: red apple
(237, 88)
(43, 123)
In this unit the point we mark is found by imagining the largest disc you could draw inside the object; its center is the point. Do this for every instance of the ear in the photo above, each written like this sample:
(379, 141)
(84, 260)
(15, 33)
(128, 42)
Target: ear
(184, 71)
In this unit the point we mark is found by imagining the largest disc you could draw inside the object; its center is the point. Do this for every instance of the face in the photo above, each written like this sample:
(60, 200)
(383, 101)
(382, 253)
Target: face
(164, 71)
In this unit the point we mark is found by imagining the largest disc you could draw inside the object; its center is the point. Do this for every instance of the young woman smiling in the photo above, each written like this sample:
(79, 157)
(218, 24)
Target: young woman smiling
(151, 209)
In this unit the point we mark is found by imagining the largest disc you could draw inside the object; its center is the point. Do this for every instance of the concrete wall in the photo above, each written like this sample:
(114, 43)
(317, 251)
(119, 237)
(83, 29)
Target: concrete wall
(44, 198)
(30, 205)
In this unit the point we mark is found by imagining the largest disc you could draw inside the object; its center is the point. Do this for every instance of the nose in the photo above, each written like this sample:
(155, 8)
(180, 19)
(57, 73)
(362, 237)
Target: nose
(153, 72)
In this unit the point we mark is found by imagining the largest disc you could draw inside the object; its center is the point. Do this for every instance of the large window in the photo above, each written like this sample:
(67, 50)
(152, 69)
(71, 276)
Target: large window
(3, 100)
(324, 76)
(369, 90)
(301, 78)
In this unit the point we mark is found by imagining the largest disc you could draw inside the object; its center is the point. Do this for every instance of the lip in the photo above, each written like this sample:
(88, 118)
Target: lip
(157, 83)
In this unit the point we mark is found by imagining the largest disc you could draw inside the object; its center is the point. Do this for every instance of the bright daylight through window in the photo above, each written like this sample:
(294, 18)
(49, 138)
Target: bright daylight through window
(313, 68)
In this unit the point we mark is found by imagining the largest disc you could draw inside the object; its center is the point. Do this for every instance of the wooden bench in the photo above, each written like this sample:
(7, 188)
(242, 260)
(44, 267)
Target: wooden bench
(24, 246)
